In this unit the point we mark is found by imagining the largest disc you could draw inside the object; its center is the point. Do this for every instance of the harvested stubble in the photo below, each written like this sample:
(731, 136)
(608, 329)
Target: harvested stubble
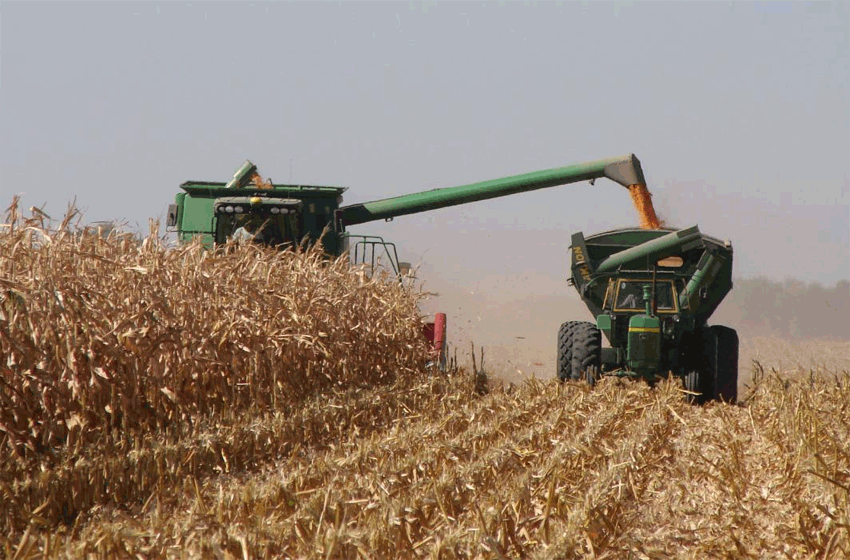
(104, 341)
(542, 471)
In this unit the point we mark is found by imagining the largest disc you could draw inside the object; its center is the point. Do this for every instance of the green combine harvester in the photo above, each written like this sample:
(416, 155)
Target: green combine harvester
(651, 291)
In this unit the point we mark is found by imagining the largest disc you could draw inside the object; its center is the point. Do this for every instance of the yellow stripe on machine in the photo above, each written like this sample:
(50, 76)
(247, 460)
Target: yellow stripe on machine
(645, 329)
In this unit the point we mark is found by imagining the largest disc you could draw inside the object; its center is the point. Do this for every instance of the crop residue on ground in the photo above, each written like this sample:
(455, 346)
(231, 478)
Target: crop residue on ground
(158, 402)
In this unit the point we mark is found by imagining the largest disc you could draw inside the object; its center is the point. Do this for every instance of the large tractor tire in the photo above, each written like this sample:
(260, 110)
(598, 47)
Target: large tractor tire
(722, 346)
(713, 374)
(565, 350)
(699, 377)
(698, 384)
(587, 351)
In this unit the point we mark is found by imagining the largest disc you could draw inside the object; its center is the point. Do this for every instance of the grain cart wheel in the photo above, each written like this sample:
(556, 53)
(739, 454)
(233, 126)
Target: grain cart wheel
(695, 382)
(723, 361)
(587, 350)
(565, 350)
(699, 378)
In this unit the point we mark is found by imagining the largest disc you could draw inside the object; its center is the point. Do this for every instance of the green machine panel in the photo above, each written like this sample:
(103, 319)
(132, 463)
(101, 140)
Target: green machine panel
(644, 343)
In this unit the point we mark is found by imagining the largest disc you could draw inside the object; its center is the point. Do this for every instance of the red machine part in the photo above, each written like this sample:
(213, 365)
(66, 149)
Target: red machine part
(435, 333)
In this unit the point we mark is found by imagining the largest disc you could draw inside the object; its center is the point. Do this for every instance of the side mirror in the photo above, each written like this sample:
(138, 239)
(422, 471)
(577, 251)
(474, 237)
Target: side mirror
(171, 217)
(404, 268)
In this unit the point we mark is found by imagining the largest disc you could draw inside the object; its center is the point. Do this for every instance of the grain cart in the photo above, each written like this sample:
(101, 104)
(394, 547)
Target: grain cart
(652, 292)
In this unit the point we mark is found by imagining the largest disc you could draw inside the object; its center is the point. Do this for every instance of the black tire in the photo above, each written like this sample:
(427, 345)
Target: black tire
(696, 382)
(587, 351)
(592, 375)
(699, 375)
(565, 350)
(722, 357)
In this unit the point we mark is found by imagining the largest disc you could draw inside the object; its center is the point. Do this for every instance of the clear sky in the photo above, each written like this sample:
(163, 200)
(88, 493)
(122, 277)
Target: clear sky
(740, 114)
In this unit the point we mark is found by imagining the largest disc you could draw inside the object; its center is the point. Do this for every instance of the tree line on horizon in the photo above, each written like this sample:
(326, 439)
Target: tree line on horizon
(788, 308)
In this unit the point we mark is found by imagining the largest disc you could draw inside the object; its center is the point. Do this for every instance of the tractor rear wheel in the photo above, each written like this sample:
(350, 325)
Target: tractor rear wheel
(713, 373)
(565, 350)
(722, 347)
(699, 376)
(587, 351)
(696, 381)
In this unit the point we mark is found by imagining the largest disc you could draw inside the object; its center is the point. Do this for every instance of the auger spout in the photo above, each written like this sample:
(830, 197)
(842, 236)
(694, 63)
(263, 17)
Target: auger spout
(624, 170)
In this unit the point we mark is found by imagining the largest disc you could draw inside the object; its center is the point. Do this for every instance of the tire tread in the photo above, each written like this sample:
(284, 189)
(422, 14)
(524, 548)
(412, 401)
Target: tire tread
(587, 349)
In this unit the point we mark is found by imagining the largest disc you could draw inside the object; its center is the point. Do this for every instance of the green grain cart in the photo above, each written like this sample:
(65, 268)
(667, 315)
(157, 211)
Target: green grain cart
(652, 293)
(662, 335)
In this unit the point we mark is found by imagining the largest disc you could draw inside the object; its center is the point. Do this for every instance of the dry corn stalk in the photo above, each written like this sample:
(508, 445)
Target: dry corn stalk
(115, 332)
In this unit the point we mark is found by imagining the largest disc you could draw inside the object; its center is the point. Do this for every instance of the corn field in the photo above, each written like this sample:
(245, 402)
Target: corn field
(105, 340)
(178, 403)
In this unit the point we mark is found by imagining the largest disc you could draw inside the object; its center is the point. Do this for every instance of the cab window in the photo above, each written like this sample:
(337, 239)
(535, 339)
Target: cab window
(630, 296)
(274, 229)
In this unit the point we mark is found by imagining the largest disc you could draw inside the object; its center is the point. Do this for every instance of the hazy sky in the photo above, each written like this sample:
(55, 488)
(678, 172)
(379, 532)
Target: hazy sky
(740, 114)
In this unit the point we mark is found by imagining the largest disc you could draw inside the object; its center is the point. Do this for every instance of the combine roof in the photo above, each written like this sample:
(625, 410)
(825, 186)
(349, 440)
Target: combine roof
(216, 189)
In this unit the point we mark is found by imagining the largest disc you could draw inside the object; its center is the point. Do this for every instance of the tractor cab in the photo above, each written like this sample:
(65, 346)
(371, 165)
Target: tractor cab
(626, 295)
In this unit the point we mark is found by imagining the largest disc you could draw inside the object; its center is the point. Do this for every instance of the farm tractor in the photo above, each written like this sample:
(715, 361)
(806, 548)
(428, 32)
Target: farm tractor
(651, 291)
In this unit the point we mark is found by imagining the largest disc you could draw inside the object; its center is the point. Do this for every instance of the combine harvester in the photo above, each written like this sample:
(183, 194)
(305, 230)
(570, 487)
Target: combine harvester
(651, 290)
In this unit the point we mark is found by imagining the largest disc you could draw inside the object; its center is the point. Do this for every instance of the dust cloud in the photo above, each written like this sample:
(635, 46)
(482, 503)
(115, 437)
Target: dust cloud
(518, 330)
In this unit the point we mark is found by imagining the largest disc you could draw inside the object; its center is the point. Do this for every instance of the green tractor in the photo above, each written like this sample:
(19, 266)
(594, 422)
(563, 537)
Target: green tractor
(652, 292)
(652, 311)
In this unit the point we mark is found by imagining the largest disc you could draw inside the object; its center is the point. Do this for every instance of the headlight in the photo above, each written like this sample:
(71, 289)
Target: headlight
(275, 209)
(228, 209)
(239, 209)
(669, 326)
